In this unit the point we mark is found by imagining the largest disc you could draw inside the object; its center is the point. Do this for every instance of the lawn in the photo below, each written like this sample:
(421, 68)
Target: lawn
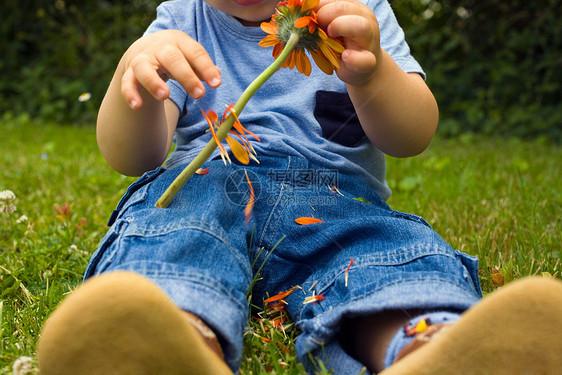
(498, 199)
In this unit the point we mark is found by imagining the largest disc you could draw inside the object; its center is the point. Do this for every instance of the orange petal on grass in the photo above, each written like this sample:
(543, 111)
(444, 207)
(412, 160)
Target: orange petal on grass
(264, 339)
(308, 220)
(278, 321)
(283, 348)
(250, 206)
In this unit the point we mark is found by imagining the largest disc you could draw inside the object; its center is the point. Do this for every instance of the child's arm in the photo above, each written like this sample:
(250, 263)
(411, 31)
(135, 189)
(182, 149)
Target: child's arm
(397, 110)
(136, 122)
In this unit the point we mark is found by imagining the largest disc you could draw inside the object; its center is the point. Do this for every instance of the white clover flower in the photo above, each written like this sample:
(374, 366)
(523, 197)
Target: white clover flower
(22, 366)
(84, 97)
(7, 201)
(22, 219)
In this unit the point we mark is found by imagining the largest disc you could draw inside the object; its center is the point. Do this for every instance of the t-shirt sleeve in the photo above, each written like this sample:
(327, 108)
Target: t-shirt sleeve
(165, 21)
(392, 37)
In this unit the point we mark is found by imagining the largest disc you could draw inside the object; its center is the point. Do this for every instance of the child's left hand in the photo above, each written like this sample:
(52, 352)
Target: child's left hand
(356, 25)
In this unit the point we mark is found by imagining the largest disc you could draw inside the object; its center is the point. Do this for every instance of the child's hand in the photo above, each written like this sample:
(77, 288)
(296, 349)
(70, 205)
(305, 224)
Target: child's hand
(356, 25)
(155, 58)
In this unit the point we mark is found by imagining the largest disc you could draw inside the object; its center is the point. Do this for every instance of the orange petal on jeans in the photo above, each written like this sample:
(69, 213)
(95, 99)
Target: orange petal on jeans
(313, 299)
(280, 295)
(250, 205)
(347, 271)
(308, 220)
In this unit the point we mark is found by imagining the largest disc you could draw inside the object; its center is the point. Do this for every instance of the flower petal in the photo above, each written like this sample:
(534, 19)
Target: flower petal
(303, 63)
(238, 150)
(335, 45)
(250, 205)
(302, 22)
(309, 4)
(329, 54)
(208, 116)
(322, 62)
(269, 27)
(347, 271)
(268, 41)
(281, 295)
(322, 34)
(308, 220)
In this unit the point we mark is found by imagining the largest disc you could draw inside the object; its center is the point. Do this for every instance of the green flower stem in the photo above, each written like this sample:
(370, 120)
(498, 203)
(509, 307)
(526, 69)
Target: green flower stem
(225, 127)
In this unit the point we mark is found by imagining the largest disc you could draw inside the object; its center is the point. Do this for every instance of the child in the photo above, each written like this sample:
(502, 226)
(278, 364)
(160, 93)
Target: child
(171, 298)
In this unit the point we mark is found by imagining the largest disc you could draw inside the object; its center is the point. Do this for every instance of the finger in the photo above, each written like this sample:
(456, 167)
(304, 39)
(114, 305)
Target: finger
(130, 87)
(328, 10)
(175, 63)
(356, 31)
(359, 62)
(201, 62)
(145, 72)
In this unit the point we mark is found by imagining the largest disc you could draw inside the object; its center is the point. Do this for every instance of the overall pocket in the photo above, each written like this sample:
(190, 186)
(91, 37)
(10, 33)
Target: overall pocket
(336, 115)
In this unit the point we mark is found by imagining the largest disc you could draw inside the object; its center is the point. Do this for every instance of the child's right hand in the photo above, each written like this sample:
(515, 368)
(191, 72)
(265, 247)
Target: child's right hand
(153, 59)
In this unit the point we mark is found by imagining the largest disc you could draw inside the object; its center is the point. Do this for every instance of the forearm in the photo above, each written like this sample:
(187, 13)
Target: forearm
(132, 140)
(397, 110)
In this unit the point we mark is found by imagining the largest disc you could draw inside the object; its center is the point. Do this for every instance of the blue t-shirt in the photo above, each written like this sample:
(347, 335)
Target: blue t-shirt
(292, 114)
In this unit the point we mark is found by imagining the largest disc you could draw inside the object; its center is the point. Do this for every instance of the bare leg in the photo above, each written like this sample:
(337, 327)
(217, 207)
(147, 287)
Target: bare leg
(369, 336)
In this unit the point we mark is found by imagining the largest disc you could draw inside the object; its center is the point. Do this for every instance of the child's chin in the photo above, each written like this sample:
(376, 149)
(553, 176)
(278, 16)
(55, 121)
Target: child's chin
(247, 3)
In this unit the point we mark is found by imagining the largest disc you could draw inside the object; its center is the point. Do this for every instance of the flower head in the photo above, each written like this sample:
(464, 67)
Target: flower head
(64, 212)
(298, 17)
(84, 97)
(243, 151)
(7, 201)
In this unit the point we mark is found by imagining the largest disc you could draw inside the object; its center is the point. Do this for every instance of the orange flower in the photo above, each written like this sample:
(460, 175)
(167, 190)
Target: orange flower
(244, 151)
(298, 16)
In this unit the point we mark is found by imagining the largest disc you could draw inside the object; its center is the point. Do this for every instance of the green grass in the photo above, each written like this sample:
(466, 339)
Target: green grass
(494, 198)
